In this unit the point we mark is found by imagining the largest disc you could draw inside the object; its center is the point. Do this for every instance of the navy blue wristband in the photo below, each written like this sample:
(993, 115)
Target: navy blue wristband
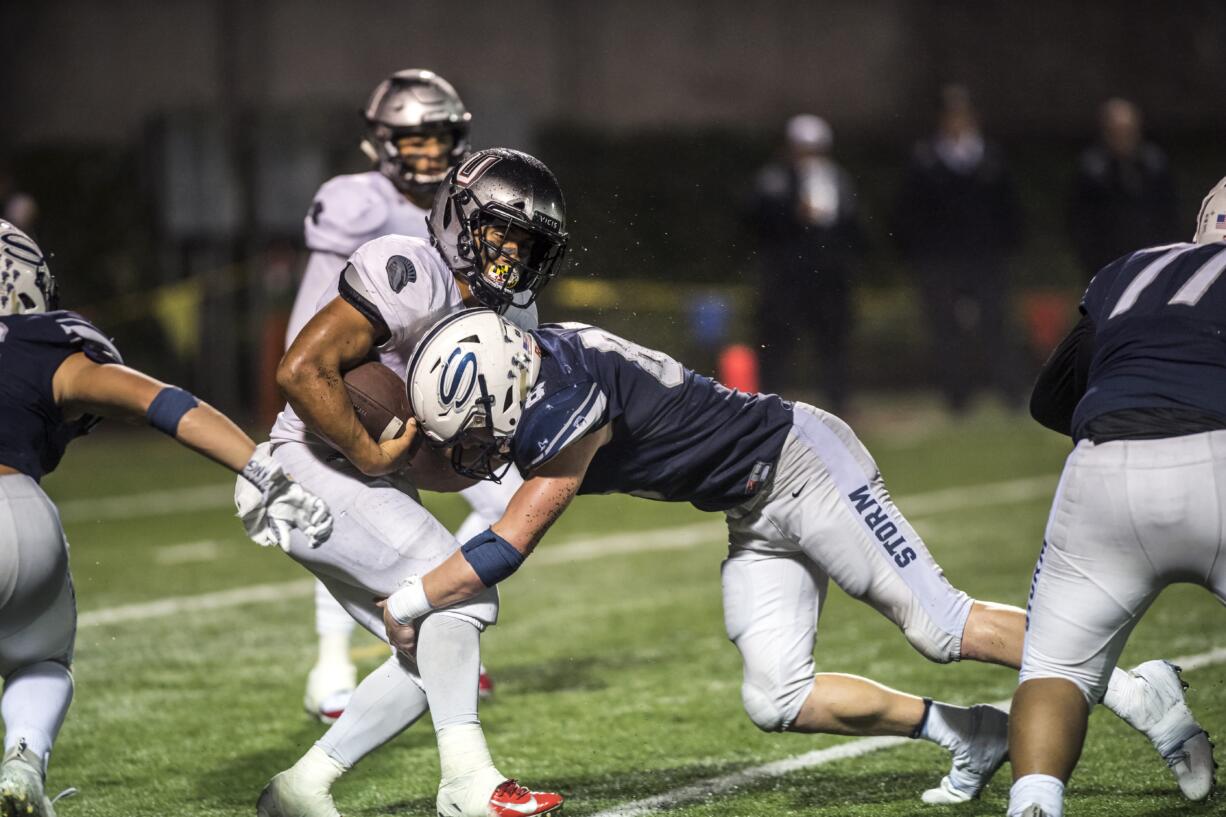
(492, 557)
(168, 408)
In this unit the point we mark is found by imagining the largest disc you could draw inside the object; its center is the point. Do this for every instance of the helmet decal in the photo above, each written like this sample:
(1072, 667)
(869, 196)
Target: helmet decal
(19, 247)
(475, 168)
(448, 389)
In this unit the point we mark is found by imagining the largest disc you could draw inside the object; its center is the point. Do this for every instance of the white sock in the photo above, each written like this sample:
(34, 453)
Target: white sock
(334, 649)
(464, 759)
(1125, 697)
(319, 768)
(35, 701)
(330, 616)
(1040, 790)
(449, 661)
(947, 725)
(386, 703)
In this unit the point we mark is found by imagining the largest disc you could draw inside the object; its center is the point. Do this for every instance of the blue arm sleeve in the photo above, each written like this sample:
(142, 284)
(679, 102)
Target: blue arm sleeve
(492, 557)
(168, 408)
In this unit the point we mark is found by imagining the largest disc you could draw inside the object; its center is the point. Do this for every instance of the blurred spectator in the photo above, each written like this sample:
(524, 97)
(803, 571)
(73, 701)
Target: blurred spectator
(1124, 195)
(16, 207)
(956, 222)
(809, 242)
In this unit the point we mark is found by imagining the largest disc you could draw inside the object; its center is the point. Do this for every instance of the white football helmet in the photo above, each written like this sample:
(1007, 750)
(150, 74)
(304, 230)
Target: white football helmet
(468, 381)
(1211, 221)
(26, 284)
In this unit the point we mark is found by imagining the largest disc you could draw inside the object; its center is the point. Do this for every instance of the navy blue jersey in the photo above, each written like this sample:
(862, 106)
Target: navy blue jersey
(1159, 318)
(33, 431)
(677, 436)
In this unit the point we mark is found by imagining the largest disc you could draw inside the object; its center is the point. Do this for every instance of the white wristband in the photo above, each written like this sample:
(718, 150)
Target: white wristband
(409, 602)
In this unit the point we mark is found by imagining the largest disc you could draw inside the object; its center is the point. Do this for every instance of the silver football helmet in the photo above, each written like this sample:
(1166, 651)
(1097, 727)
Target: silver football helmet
(499, 221)
(26, 284)
(413, 102)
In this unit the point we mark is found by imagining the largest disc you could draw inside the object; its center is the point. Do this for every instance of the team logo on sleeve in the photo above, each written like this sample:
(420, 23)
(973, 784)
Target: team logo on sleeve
(400, 272)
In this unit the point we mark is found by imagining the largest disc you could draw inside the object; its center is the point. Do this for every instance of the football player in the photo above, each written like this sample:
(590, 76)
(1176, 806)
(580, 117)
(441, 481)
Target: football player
(60, 377)
(416, 130)
(1138, 384)
(498, 232)
(579, 410)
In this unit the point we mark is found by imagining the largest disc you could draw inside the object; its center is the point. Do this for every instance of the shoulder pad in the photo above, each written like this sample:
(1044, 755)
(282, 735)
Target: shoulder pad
(400, 279)
(347, 212)
(552, 421)
(399, 261)
(97, 346)
(66, 330)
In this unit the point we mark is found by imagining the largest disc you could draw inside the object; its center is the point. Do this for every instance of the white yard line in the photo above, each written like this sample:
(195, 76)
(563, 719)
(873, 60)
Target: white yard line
(205, 550)
(149, 503)
(576, 550)
(211, 497)
(177, 605)
(713, 786)
(721, 785)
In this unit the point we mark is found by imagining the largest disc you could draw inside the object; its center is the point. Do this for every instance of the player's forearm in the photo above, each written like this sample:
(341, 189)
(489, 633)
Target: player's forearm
(82, 386)
(451, 582)
(207, 431)
(314, 388)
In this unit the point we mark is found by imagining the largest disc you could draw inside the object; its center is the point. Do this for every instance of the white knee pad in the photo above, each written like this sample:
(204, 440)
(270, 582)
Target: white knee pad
(929, 638)
(772, 709)
(936, 646)
(1093, 684)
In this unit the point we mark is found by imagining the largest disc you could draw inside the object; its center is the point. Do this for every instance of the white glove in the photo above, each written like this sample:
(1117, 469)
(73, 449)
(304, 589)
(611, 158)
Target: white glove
(270, 504)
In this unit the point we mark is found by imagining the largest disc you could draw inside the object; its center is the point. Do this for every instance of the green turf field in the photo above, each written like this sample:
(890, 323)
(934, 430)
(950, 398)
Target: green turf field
(615, 681)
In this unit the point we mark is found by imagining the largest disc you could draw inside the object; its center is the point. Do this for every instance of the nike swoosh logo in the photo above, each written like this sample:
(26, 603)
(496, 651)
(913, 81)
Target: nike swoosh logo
(796, 493)
(526, 808)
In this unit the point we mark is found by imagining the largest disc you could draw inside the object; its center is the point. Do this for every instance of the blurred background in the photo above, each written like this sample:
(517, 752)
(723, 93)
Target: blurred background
(841, 201)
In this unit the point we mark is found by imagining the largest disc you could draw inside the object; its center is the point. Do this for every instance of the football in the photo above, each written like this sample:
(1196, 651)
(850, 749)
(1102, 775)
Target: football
(380, 399)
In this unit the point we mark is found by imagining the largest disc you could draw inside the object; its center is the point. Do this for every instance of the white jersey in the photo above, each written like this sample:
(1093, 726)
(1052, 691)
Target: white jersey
(348, 211)
(400, 284)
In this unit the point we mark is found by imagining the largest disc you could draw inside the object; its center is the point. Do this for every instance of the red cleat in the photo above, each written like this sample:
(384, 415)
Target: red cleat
(513, 800)
(485, 685)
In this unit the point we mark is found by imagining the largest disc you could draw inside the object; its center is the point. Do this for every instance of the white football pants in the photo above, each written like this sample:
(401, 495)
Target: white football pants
(38, 616)
(1129, 518)
(380, 535)
(825, 515)
(488, 501)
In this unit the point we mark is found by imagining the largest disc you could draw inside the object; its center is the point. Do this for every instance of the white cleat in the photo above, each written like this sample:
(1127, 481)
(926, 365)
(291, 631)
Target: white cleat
(21, 785)
(329, 688)
(976, 761)
(1163, 716)
(288, 795)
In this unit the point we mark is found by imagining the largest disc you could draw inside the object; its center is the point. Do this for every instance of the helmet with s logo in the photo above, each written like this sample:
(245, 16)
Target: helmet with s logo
(26, 284)
(468, 380)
